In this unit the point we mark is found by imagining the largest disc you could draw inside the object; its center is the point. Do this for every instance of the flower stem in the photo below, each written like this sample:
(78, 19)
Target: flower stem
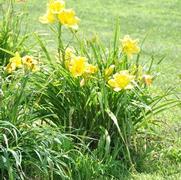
(61, 52)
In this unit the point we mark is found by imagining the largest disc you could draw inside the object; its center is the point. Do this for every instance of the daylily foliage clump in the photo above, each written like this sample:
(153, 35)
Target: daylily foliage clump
(77, 110)
(96, 87)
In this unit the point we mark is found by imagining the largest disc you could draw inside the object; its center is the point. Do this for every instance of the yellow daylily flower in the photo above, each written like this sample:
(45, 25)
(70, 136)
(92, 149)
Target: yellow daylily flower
(77, 66)
(16, 60)
(35, 68)
(55, 6)
(30, 63)
(48, 18)
(27, 61)
(67, 18)
(121, 80)
(10, 68)
(91, 69)
(148, 79)
(129, 46)
(108, 71)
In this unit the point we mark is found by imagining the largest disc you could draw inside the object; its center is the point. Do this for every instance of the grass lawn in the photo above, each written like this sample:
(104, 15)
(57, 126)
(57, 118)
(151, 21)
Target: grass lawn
(160, 21)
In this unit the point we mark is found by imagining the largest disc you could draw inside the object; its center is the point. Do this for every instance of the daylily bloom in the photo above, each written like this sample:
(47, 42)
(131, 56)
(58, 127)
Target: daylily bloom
(48, 18)
(35, 68)
(148, 79)
(55, 6)
(67, 18)
(10, 67)
(121, 80)
(16, 60)
(129, 46)
(77, 66)
(91, 69)
(30, 63)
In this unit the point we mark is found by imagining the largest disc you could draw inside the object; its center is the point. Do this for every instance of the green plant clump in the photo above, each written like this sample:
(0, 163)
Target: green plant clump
(79, 111)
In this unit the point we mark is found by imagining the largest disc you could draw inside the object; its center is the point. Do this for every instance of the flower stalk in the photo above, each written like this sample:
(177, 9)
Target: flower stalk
(61, 52)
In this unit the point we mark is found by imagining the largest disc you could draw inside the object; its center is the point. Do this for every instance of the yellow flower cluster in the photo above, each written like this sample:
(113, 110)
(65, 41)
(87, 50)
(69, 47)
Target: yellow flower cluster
(124, 79)
(27, 62)
(56, 12)
(78, 65)
(121, 80)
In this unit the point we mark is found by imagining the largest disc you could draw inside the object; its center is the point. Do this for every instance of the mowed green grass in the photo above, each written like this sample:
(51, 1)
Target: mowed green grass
(159, 20)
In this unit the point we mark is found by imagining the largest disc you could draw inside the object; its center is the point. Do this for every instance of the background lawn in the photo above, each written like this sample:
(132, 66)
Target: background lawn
(160, 20)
